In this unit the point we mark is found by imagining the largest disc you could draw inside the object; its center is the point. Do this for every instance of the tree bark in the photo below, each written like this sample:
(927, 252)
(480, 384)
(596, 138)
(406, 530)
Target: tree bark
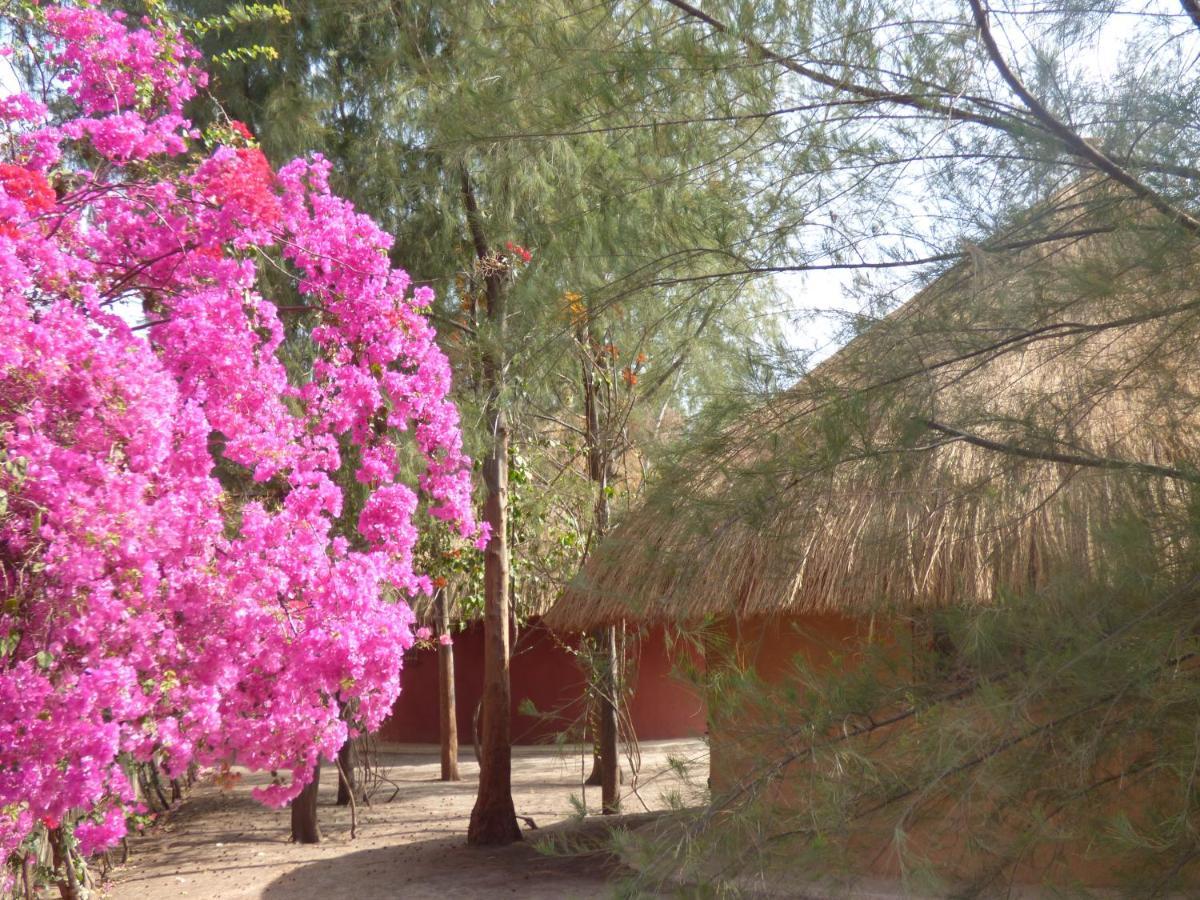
(605, 764)
(347, 767)
(446, 701)
(494, 819)
(304, 812)
(610, 772)
(68, 887)
(602, 715)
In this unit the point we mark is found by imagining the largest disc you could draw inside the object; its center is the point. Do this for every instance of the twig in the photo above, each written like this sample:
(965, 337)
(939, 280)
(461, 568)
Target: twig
(350, 791)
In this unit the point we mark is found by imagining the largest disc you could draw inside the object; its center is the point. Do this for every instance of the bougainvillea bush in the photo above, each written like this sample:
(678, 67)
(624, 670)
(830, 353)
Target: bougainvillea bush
(147, 615)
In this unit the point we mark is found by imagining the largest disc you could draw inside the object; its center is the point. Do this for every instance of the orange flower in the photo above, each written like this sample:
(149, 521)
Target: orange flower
(629, 376)
(576, 311)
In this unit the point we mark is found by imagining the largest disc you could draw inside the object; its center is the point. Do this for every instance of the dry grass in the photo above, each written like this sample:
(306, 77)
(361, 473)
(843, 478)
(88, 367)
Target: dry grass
(839, 496)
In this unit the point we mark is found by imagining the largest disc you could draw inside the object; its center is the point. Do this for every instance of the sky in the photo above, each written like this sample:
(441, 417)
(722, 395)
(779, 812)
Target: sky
(816, 302)
(822, 294)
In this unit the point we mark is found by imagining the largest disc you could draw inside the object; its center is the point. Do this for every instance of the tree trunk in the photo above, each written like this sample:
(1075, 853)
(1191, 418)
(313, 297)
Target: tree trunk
(347, 774)
(304, 812)
(593, 728)
(609, 763)
(605, 683)
(68, 887)
(602, 715)
(494, 819)
(446, 703)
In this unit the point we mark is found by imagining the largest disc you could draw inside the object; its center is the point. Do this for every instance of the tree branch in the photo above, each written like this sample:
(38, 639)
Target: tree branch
(909, 100)
(1069, 137)
(1192, 8)
(1070, 459)
(893, 263)
(1043, 120)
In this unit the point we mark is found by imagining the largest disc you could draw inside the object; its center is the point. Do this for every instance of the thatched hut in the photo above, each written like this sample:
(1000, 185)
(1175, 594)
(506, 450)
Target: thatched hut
(972, 443)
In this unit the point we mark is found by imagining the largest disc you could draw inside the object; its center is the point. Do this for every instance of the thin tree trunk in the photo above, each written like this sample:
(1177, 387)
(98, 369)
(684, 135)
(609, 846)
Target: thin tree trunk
(27, 876)
(446, 701)
(304, 812)
(605, 764)
(68, 887)
(594, 778)
(494, 819)
(347, 769)
(602, 715)
(609, 764)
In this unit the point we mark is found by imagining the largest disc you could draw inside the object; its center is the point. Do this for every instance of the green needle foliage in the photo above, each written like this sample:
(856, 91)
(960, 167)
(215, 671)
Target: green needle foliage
(554, 114)
(996, 480)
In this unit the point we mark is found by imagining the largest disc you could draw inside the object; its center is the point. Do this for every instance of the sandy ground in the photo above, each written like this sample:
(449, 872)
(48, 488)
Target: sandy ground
(222, 844)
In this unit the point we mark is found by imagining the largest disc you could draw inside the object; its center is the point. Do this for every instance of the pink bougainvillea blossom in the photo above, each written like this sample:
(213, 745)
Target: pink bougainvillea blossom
(148, 613)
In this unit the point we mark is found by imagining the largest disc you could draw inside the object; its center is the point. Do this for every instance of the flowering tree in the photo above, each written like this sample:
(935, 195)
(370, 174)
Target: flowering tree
(146, 615)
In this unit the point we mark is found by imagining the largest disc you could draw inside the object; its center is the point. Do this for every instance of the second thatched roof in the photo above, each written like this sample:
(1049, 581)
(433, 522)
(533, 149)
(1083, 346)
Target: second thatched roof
(978, 439)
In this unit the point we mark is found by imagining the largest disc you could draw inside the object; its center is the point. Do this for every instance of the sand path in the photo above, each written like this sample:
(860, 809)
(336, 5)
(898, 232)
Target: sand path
(222, 845)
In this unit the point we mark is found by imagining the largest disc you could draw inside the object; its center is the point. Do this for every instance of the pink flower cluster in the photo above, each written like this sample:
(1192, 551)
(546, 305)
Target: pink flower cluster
(424, 637)
(147, 614)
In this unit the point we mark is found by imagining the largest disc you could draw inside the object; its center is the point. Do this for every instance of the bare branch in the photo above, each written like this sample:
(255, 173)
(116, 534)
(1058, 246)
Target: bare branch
(951, 256)
(1070, 138)
(874, 94)
(1071, 459)
(1192, 8)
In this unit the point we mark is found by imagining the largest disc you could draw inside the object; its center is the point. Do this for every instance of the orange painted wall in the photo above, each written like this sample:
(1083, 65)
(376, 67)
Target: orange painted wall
(768, 647)
(739, 747)
(545, 673)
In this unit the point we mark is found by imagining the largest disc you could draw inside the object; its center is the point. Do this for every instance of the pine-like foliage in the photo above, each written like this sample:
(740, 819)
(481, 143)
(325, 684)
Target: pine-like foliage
(995, 476)
(590, 139)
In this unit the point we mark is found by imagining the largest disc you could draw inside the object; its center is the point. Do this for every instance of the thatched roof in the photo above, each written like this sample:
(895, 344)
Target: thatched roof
(843, 495)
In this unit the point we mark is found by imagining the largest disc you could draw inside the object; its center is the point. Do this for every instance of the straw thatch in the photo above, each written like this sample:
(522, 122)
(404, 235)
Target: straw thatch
(843, 494)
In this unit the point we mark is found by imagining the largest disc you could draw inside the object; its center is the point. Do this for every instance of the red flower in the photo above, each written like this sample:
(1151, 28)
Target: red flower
(243, 182)
(31, 188)
(518, 250)
(240, 128)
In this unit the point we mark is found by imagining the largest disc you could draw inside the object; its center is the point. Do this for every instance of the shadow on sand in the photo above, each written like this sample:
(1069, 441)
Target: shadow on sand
(447, 869)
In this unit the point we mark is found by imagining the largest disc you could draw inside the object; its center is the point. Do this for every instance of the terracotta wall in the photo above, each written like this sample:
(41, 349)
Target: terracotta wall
(740, 746)
(768, 647)
(545, 673)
